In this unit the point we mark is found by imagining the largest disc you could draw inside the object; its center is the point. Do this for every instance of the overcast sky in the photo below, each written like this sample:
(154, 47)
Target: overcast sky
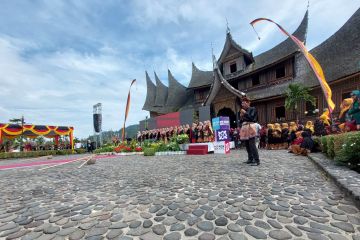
(58, 58)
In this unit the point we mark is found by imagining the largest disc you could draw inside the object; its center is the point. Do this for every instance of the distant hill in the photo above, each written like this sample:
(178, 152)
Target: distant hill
(130, 132)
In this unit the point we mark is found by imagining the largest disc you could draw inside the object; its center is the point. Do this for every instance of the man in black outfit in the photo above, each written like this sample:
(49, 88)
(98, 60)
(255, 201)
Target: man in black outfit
(248, 131)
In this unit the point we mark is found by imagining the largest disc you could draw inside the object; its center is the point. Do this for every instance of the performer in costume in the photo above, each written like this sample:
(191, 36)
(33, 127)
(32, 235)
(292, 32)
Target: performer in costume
(319, 128)
(270, 140)
(200, 133)
(309, 127)
(206, 132)
(187, 131)
(344, 112)
(248, 131)
(211, 131)
(354, 111)
(194, 131)
(263, 132)
(285, 135)
(277, 135)
(292, 129)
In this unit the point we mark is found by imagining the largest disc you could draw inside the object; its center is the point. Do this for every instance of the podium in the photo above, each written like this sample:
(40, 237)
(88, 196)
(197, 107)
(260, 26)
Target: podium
(221, 125)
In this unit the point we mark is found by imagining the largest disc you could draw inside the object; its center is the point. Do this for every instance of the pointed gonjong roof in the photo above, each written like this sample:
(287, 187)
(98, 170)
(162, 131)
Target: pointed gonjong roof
(229, 43)
(200, 78)
(279, 52)
(161, 92)
(150, 94)
(339, 56)
(176, 94)
(285, 48)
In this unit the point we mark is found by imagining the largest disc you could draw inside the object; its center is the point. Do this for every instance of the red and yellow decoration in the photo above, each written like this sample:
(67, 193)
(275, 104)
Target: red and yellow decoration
(311, 60)
(32, 131)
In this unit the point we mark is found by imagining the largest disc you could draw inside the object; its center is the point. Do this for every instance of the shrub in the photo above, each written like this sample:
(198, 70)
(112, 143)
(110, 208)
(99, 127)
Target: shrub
(80, 151)
(339, 141)
(324, 144)
(33, 154)
(350, 151)
(149, 152)
(330, 147)
(173, 146)
(181, 139)
(317, 144)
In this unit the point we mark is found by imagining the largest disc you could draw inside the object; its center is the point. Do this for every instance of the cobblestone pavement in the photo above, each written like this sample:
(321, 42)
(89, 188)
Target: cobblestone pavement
(177, 197)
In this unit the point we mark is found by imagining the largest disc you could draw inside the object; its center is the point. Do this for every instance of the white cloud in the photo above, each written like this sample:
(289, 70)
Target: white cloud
(58, 58)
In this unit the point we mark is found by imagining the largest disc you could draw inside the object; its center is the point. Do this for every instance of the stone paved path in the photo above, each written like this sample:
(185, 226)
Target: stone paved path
(177, 197)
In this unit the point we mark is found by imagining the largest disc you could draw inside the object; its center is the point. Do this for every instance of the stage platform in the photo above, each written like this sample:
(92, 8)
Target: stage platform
(210, 146)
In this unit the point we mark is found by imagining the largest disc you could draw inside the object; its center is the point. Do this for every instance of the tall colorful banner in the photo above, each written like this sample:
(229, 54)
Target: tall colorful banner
(127, 109)
(315, 66)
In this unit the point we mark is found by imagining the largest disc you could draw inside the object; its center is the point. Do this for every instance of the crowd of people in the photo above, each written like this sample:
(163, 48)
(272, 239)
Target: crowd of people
(295, 136)
(199, 132)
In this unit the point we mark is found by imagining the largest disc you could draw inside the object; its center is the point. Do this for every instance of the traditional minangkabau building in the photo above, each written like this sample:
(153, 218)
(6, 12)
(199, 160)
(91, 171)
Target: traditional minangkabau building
(264, 78)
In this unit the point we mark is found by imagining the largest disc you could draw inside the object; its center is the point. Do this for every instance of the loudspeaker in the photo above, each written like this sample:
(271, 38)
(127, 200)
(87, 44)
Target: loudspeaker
(97, 122)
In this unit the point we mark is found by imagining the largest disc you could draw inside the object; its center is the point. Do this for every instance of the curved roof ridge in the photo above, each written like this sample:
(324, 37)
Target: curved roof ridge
(176, 94)
(339, 55)
(200, 78)
(150, 94)
(229, 41)
(161, 92)
(283, 49)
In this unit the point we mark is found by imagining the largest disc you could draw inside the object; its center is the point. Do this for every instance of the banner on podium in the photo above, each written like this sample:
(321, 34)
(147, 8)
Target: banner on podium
(222, 147)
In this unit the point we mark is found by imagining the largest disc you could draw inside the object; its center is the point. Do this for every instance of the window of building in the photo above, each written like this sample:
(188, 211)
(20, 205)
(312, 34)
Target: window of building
(310, 109)
(233, 67)
(280, 113)
(280, 72)
(255, 80)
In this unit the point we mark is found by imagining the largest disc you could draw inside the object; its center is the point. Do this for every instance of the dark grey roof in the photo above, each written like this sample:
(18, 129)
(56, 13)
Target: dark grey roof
(339, 56)
(190, 102)
(200, 78)
(161, 93)
(280, 51)
(150, 94)
(176, 94)
(229, 42)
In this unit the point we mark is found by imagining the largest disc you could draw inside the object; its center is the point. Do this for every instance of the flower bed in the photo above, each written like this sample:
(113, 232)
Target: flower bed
(343, 148)
(123, 149)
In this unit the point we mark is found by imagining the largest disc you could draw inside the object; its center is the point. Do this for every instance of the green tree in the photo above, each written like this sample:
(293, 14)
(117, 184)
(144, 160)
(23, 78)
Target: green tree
(295, 94)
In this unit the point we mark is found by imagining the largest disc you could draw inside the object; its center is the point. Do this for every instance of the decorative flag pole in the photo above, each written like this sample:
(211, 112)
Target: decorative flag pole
(127, 110)
(315, 66)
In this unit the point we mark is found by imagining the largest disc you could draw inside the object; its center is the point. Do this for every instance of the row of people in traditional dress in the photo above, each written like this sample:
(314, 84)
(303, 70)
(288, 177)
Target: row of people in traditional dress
(198, 132)
(201, 132)
(349, 117)
(163, 134)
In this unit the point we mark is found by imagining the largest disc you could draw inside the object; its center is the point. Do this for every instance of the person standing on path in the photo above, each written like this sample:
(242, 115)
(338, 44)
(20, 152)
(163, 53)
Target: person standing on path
(248, 131)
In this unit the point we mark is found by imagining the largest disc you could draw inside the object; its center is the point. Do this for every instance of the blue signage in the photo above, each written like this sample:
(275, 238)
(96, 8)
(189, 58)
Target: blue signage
(216, 123)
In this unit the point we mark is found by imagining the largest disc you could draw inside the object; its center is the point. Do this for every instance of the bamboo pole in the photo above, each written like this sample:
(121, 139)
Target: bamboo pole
(90, 158)
(55, 165)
